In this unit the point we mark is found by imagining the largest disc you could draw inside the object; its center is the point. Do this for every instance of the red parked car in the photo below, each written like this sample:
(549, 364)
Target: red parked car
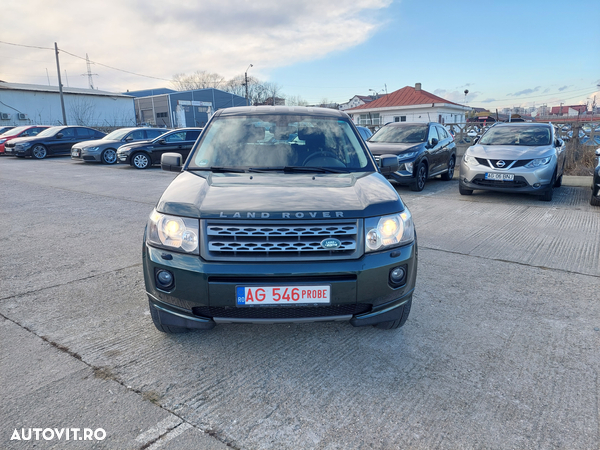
(26, 131)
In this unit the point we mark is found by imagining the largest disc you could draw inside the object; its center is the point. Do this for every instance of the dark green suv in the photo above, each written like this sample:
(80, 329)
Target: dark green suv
(279, 215)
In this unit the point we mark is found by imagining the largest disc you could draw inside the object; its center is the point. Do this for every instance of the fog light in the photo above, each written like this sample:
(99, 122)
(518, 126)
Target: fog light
(398, 276)
(164, 279)
(536, 185)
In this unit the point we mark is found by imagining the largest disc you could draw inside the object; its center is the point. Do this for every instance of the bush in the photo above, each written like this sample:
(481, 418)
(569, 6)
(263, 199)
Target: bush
(581, 159)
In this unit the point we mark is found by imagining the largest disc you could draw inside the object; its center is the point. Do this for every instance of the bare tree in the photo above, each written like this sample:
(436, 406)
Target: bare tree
(82, 111)
(295, 100)
(201, 79)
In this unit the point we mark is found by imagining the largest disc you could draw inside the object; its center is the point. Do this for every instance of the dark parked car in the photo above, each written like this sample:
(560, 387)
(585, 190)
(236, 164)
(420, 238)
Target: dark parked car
(142, 155)
(51, 141)
(595, 200)
(515, 157)
(300, 228)
(105, 150)
(424, 150)
(25, 131)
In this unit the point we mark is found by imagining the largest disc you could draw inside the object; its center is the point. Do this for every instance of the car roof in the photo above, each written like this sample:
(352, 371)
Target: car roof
(281, 110)
(522, 124)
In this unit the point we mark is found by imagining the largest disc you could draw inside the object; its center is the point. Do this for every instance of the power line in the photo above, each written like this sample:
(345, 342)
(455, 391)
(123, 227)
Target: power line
(114, 68)
(76, 56)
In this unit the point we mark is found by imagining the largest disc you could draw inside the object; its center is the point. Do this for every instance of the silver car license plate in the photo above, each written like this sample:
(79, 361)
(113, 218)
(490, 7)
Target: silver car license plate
(500, 176)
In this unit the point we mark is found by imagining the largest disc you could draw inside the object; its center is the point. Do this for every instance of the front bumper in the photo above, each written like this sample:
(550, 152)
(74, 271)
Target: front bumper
(204, 293)
(124, 158)
(80, 154)
(14, 151)
(532, 181)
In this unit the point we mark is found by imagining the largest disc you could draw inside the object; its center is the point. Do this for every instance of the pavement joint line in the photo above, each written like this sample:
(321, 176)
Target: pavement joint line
(107, 375)
(509, 261)
(171, 434)
(69, 282)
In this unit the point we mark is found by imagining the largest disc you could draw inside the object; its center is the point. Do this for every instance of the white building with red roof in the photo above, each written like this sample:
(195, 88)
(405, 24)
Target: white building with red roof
(409, 104)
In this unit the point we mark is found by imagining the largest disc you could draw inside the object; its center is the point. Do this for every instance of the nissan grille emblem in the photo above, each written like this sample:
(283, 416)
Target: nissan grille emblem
(500, 163)
(331, 243)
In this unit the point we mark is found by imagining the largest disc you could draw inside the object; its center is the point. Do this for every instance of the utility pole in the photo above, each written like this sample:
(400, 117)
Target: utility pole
(62, 100)
(246, 82)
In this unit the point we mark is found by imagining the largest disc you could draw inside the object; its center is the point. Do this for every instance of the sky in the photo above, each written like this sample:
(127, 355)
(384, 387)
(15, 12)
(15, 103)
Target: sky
(505, 53)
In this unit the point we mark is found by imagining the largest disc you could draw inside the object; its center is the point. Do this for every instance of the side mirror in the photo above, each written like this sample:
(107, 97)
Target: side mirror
(388, 164)
(129, 139)
(171, 162)
(476, 139)
(59, 136)
(162, 142)
(557, 143)
(598, 152)
(433, 142)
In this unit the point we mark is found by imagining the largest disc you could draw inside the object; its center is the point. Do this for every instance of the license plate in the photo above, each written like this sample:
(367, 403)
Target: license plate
(282, 295)
(500, 176)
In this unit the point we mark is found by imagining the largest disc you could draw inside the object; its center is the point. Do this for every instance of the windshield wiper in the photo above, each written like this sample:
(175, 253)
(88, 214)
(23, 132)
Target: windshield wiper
(217, 169)
(297, 169)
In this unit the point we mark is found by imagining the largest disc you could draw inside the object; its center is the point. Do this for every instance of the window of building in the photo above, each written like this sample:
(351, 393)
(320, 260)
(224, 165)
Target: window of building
(402, 118)
(162, 114)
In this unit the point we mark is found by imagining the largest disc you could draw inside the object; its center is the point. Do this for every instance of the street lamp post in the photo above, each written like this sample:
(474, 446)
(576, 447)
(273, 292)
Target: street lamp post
(246, 82)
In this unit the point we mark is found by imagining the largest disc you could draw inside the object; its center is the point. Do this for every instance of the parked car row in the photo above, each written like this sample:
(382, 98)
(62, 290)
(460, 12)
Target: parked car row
(139, 147)
(508, 157)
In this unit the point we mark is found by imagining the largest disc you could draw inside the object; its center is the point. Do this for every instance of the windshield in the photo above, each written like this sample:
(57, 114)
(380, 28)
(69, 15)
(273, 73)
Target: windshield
(517, 135)
(403, 134)
(49, 131)
(280, 141)
(14, 131)
(117, 135)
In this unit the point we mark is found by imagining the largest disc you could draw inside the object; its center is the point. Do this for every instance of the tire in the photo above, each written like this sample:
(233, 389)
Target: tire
(447, 176)
(594, 201)
(464, 191)
(109, 156)
(558, 182)
(39, 151)
(169, 329)
(393, 324)
(420, 178)
(549, 193)
(140, 161)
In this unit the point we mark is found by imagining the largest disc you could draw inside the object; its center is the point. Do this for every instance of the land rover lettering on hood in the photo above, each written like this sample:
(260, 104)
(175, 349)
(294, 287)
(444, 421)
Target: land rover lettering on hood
(279, 215)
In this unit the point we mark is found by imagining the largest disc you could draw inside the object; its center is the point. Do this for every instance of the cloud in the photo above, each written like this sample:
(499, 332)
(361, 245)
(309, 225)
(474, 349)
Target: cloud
(164, 37)
(563, 88)
(456, 96)
(525, 91)
(488, 100)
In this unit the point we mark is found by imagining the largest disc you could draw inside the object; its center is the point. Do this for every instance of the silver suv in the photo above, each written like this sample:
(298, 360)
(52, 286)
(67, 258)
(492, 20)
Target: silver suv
(514, 157)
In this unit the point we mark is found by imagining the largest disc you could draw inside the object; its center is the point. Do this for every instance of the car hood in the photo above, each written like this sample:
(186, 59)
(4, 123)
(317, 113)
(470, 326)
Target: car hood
(509, 151)
(96, 143)
(136, 144)
(273, 195)
(378, 148)
(21, 140)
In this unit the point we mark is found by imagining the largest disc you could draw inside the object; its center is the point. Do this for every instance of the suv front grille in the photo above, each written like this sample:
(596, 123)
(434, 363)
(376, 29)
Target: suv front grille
(301, 240)
(506, 163)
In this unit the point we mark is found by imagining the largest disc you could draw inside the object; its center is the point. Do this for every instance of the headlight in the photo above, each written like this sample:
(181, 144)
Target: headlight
(408, 155)
(172, 232)
(389, 231)
(25, 145)
(539, 162)
(471, 160)
(91, 149)
(2, 141)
